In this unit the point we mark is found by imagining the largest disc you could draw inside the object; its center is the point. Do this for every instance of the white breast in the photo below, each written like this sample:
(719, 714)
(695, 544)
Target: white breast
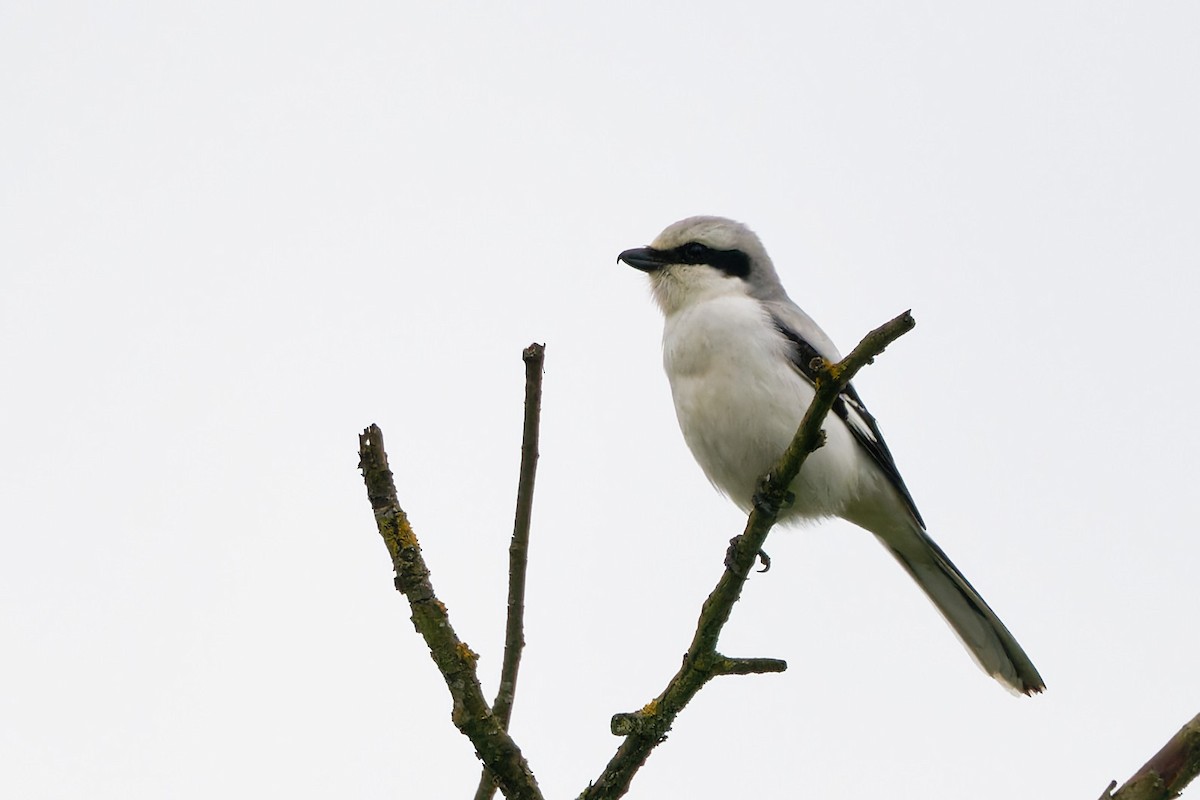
(739, 402)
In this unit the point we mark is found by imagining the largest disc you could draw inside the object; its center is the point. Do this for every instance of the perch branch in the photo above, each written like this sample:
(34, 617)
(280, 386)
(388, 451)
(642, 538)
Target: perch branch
(470, 712)
(518, 553)
(645, 729)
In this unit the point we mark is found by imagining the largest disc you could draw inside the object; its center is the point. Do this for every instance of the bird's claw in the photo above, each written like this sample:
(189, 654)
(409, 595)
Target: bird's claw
(765, 560)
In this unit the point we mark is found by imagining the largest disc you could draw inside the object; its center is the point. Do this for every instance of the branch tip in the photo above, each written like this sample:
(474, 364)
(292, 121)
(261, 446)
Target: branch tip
(749, 666)
(518, 553)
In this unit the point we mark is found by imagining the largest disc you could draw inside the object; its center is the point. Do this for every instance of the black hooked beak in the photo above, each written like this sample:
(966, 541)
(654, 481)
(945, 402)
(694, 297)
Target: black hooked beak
(647, 259)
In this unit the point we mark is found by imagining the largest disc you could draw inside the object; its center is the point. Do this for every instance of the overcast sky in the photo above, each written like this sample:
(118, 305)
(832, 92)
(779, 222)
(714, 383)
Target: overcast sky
(234, 234)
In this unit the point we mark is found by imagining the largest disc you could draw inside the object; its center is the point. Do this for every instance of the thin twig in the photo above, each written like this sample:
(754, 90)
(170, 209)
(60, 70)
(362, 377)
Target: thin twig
(470, 712)
(518, 553)
(645, 729)
(1168, 771)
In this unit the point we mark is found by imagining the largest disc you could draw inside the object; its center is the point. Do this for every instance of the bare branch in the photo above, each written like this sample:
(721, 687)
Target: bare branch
(748, 666)
(518, 553)
(470, 712)
(1167, 772)
(646, 728)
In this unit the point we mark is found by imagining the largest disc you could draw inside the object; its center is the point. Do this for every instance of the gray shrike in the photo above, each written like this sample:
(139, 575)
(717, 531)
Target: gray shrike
(737, 352)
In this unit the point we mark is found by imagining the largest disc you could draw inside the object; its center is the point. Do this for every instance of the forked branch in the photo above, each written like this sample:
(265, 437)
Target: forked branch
(470, 712)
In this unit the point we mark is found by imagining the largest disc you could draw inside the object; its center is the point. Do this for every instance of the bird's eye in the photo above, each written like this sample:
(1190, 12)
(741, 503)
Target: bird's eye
(694, 252)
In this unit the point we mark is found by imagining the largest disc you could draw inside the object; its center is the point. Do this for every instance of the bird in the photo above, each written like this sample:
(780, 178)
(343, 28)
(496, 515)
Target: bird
(739, 357)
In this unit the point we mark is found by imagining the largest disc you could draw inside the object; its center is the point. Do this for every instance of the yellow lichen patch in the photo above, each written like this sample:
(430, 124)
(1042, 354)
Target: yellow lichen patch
(404, 532)
(651, 708)
(390, 541)
(466, 653)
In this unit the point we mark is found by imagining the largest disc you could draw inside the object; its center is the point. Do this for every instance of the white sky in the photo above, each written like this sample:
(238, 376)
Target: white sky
(234, 234)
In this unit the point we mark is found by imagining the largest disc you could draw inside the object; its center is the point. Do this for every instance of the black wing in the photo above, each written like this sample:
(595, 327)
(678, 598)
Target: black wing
(850, 409)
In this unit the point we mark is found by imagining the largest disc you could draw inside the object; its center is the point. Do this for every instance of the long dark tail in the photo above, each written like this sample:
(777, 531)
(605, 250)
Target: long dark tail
(981, 631)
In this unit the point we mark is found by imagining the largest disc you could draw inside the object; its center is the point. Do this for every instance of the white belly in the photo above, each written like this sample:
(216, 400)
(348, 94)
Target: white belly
(739, 402)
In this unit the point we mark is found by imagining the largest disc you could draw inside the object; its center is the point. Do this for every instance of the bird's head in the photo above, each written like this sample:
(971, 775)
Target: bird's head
(699, 257)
